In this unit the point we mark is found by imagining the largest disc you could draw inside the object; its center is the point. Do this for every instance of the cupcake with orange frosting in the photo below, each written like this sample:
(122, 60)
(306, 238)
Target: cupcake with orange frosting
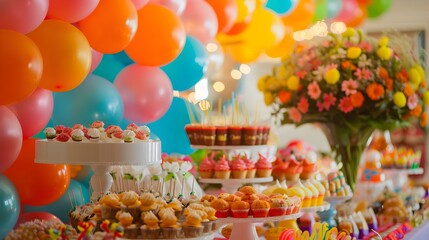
(110, 205)
(240, 209)
(207, 199)
(222, 169)
(206, 168)
(260, 208)
(278, 207)
(147, 202)
(221, 207)
(151, 228)
(169, 226)
(192, 226)
(130, 203)
(263, 167)
(251, 167)
(309, 167)
(293, 169)
(238, 168)
(126, 221)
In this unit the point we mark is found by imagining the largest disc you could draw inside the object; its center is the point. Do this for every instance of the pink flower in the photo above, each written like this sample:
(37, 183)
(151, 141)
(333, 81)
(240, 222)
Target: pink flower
(313, 90)
(345, 105)
(412, 101)
(349, 44)
(295, 115)
(363, 74)
(328, 101)
(366, 46)
(301, 74)
(303, 105)
(349, 86)
(331, 66)
(325, 43)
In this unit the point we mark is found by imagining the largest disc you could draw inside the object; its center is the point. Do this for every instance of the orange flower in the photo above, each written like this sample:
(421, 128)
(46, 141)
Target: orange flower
(423, 84)
(375, 91)
(357, 99)
(408, 90)
(348, 65)
(416, 111)
(402, 76)
(383, 73)
(389, 83)
(423, 119)
(285, 96)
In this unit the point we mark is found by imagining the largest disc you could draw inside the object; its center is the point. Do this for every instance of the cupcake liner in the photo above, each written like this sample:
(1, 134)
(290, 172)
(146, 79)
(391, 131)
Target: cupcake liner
(260, 213)
(206, 174)
(221, 213)
(193, 232)
(239, 174)
(277, 211)
(171, 233)
(207, 226)
(108, 212)
(131, 232)
(264, 172)
(242, 213)
(251, 173)
(222, 174)
(291, 177)
(215, 225)
(135, 212)
(150, 233)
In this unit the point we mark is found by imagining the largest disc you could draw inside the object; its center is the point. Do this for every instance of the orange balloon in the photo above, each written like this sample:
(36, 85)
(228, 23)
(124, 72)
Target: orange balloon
(21, 66)
(360, 13)
(226, 12)
(160, 37)
(244, 53)
(245, 12)
(302, 16)
(66, 55)
(74, 170)
(285, 47)
(37, 184)
(111, 26)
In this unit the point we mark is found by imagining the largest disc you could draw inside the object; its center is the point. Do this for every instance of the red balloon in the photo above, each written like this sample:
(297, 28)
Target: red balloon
(37, 184)
(71, 10)
(10, 138)
(26, 217)
(140, 87)
(39, 104)
(347, 12)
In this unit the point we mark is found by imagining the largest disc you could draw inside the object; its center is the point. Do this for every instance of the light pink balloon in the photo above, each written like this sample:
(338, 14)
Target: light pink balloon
(347, 11)
(139, 3)
(95, 61)
(10, 138)
(177, 6)
(200, 20)
(22, 15)
(71, 10)
(146, 92)
(34, 112)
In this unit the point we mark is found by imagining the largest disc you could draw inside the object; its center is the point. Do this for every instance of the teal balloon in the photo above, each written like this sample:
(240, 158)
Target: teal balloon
(95, 99)
(334, 8)
(123, 58)
(189, 67)
(377, 7)
(109, 67)
(281, 7)
(76, 195)
(9, 206)
(170, 128)
(321, 10)
(84, 175)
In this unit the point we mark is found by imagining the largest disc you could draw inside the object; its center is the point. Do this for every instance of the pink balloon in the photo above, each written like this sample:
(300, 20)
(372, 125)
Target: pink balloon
(177, 6)
(71, 10)
(347, 11)
(22, 15)
(10, 138)
(139, 3)
(200, 20)
(34, 112)
(146, 92)
(26, 217)
(96, 59)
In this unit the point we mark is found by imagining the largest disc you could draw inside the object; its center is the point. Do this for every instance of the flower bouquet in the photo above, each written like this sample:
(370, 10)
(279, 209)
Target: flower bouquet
(351, 85)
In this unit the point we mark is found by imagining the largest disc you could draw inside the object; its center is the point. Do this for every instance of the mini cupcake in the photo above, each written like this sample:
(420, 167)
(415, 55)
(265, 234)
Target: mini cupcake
(207, 199)
(222, 170)
(260, 208)
(133, 127)
(50, 133)
(192, 226)
(94, 135)
(62, 137)
(148, 202)
(211, 216)
(277, 207)
(169, 226)
(221, 207)
(321, 191)
(314, 191)
(293, 170)
(78, 126)
(112, 129)
(309, 167)
(240, 209)
(306, 202)
(128, 136)
(118, 137)
(248, 190)
(124, 218)
(238, 168)
(206, 168)
(151, 228)
(130, 203)
(98, 125)
(145, 130)
(77, 135)
(251, 168)
(110, 205)
(59, 129)
(177, 206)
(263, 167)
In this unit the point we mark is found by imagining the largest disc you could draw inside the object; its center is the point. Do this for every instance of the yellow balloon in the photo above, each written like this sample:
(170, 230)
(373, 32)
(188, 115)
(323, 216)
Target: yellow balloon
(285, 47)
(245, 9)
(244, 53)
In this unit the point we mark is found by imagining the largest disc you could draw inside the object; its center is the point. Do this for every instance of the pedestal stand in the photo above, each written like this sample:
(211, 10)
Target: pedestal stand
(232, 185)
(328, 216)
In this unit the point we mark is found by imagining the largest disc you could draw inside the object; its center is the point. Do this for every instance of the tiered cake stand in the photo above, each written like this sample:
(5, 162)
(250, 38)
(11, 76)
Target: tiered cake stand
(101, 156)
(328, 215)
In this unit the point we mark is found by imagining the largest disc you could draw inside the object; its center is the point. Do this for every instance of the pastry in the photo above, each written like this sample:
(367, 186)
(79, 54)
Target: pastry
(263, 167)
(238, 168)
(222, 169)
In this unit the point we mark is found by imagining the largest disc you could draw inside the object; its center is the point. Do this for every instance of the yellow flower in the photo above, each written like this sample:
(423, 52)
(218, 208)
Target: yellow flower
(414, 76)
(261, 83)
(350, 32)
(272, 84)
(383, 41)
(426, 98)
(399, 99)
(332, 76)
(384, 52)
(420, 70)
(268, 98)
(293, 83)
(353, 52)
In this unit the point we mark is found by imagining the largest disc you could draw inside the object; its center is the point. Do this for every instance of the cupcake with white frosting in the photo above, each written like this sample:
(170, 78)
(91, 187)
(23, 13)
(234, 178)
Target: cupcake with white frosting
(128, 136)
(50, 133)
(77, 135)
(94, 134)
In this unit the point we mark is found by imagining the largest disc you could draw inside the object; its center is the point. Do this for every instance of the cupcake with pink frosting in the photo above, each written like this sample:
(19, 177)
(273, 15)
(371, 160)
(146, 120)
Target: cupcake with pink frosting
(112, 129)
(238, 168)
(222, 169)
(251, 168)
(133, 127)
(99, 125)
(263, 167)
(118, 137)
(206, 168)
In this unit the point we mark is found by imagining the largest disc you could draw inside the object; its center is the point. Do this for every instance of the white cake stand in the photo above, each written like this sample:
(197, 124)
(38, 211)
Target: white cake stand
(325, 206)
(101, 156)
(244, 228)
(231, 185)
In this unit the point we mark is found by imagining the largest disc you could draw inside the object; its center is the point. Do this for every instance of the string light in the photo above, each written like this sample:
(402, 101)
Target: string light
(320, 29)
(236, 74)
(218, 86)
(211, 47)
(338, 27)
(245, 69)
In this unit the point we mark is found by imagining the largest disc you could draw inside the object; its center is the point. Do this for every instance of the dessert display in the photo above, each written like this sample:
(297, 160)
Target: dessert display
(401, 158)
(40, 229)
(336, 185)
